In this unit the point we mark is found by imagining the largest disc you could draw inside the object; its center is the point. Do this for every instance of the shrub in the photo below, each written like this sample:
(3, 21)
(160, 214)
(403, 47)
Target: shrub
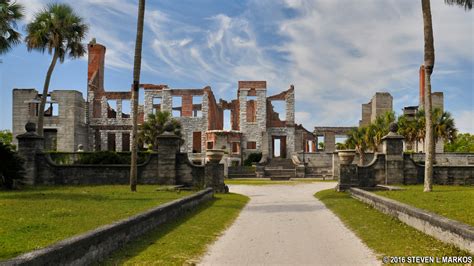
(102, 157)
(253, 158)
(110, 157)
(11, 168)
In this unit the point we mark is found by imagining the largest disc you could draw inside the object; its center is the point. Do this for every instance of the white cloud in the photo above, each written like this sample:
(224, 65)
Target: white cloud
(465, 121)
(337, 53)
(342, 52)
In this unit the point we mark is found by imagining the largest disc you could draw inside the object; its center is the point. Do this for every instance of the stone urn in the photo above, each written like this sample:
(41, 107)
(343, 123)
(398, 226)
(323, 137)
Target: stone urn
(214, 155)
(346, 156)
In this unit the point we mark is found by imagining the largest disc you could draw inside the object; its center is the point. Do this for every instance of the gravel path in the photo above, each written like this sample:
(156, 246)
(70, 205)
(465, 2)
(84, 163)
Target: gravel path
(286, 225)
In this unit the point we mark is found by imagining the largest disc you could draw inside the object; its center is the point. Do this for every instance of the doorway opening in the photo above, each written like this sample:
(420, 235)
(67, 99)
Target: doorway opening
(279, 146)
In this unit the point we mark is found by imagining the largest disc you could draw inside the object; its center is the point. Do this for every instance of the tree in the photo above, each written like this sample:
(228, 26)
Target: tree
(429, 60)
(11, 168)
(377, 130)
(58, 30)
(409, 129)
(321, 146)
(136, 83)
(6, 137)
(462, 143)
(443, 125)
(467, 4)
(357, 140)
(155, 126)
(10, 14)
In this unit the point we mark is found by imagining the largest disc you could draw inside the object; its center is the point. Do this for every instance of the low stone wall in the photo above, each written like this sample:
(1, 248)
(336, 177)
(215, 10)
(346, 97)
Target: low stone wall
(404, 171)
(448, 158)
(241, 172)
(442, 228)
(95, 245)
(442, 174)
(166, 166)
(50, 173)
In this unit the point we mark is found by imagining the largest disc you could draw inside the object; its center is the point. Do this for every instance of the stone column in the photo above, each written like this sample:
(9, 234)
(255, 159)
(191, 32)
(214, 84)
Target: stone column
(168, 147)
(119, 109)
(329, 142)
(214, 176)
(335, 166)
(29, 144)
(393, 150)
(347, 172)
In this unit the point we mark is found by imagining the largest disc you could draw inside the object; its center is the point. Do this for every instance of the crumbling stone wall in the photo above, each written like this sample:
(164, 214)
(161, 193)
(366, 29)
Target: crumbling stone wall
(69, 124)
(252, 131)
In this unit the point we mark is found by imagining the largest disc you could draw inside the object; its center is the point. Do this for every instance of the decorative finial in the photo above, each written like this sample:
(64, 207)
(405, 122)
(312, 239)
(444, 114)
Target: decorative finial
(30, 127)
(393, 127)
(168, 127)
(93, 41)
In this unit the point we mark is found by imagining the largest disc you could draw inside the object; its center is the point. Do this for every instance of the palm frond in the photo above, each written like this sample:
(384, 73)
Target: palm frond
(467, 4)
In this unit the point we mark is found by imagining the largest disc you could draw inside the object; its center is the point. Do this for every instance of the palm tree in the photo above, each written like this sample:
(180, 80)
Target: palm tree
(377, 130)
(136, 84)
(467, 4)
(58, 30)
(407, 129)
(429, 60)
(357, 140)
(10, 13)
(444, 127)
(155, 126)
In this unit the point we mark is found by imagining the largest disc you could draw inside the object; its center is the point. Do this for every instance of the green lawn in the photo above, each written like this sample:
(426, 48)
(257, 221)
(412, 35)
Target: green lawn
(267, 181)
(387, 236)
(186, 239)
(36, 217)
(454, 202)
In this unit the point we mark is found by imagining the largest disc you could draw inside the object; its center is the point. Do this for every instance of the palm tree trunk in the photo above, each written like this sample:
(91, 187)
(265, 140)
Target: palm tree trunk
(136, 83)
(45, 93)
(361, 158)
(429, 64)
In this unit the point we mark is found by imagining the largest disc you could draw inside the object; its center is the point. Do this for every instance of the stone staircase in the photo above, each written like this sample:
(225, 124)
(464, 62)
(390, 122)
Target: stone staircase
(280, 169)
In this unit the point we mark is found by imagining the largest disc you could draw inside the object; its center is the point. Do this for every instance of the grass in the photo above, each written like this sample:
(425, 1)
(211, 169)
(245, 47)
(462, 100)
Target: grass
(384, 234)
(37, 217)
(267, 181)
(184, 240)
(454, 202)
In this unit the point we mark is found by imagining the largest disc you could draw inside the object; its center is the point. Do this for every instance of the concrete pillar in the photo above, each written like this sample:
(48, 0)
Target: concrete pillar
(393, 150)
(168, 147)
(29, 144)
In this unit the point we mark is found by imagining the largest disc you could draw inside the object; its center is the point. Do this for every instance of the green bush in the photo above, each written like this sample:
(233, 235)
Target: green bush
(11, 166)
(253, 158)
(102, 157)
(110, 157)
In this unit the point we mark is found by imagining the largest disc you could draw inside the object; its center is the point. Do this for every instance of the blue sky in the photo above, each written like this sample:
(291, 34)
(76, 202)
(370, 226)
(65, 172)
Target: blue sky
(337, 53)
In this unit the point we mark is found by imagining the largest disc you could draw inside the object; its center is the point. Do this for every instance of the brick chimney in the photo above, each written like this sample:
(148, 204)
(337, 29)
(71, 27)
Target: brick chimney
(422, 87)
(95, 70)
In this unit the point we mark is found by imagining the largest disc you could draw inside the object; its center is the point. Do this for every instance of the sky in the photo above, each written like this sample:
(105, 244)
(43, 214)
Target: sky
(337, 53)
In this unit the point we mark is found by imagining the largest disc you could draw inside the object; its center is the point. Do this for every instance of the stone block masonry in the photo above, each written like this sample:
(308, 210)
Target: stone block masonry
(95, 245)
(104, 120)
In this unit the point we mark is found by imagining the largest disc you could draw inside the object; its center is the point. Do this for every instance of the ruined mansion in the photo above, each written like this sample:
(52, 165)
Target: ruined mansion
(103, 120)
